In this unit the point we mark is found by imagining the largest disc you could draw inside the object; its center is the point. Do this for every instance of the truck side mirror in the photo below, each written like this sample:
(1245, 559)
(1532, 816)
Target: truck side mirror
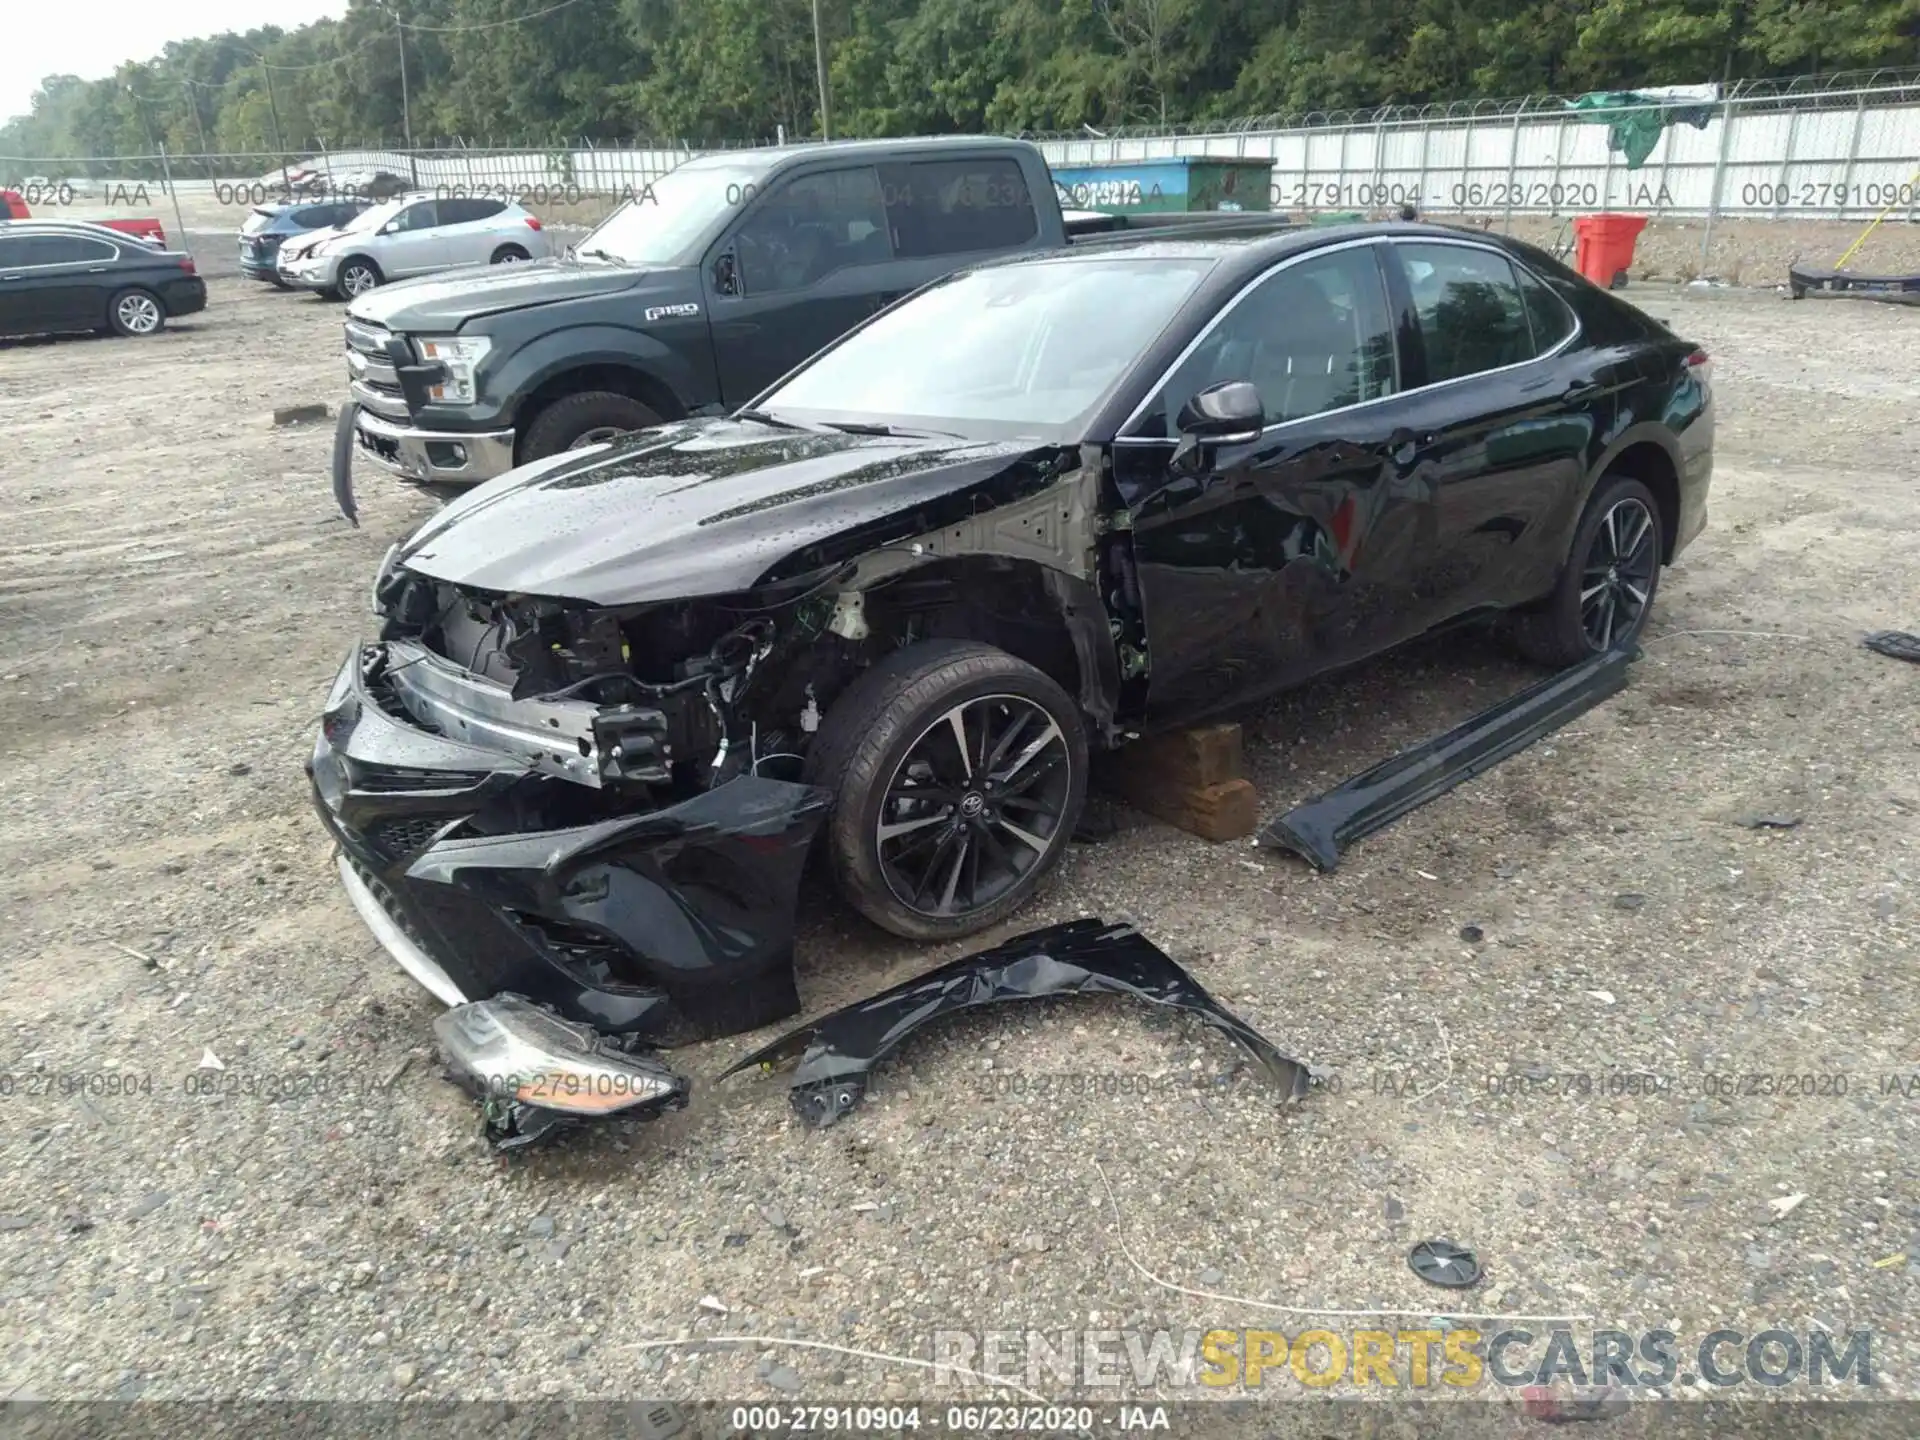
(726, 278)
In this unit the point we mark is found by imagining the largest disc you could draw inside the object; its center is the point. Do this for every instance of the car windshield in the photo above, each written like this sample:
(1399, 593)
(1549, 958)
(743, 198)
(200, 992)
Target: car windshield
(374, 216)
(1023, 349)
(670, 213)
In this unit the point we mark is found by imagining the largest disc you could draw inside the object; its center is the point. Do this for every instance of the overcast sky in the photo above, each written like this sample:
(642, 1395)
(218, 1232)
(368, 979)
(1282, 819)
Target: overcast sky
(47, 37)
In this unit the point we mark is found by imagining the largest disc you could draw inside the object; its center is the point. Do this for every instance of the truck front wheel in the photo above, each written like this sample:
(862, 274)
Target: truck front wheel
(574, 421)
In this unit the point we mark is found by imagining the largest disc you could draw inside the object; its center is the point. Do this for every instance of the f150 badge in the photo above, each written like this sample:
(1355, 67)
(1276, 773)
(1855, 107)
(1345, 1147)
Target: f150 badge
(660, 312)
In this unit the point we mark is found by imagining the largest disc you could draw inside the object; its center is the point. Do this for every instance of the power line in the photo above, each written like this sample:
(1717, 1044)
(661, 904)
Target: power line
(485, 25)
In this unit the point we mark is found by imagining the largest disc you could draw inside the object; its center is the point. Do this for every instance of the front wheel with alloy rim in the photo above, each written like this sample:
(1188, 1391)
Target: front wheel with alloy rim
(958, 774)
(136, 312)
(357, 277)
(1607, 587)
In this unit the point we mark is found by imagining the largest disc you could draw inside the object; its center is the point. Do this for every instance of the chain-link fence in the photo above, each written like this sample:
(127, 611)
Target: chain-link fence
(1837, 147)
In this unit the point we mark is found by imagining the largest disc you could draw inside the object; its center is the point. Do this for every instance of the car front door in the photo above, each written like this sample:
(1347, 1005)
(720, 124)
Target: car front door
(1509, 408)
(797, 272)
(412, 243)
(21, 302)
(1268, 560)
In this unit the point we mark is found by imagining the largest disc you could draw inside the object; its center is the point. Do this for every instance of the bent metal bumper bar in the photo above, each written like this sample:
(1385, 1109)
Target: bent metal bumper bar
(438, 456)
(1087, 957)
(1320, 829)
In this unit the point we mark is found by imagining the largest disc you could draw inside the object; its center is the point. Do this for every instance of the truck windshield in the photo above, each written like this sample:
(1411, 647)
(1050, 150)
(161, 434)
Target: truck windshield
(1024, 349)
(657, 226)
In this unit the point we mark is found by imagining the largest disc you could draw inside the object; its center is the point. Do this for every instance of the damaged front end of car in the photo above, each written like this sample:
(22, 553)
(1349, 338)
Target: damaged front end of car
(593, 797)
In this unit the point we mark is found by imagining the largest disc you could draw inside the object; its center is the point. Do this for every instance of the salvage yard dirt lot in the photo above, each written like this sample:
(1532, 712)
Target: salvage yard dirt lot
(1566, 1011)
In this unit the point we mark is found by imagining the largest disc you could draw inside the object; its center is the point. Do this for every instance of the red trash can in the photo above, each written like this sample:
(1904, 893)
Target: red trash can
(1603, 247)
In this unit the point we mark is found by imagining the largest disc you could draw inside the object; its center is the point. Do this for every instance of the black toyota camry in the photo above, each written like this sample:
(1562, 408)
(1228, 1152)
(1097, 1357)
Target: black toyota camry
(1030, 512)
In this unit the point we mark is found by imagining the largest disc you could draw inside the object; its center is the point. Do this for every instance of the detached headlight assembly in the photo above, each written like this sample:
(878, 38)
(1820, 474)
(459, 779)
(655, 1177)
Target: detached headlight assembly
(461, 355)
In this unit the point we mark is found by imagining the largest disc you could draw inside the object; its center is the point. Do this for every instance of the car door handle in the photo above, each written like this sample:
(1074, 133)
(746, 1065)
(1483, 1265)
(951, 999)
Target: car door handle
(97, 270)
(12, 277)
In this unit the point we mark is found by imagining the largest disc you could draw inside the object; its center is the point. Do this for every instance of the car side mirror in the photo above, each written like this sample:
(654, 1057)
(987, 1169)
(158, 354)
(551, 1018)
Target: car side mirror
(726, 277)
(1230, 413)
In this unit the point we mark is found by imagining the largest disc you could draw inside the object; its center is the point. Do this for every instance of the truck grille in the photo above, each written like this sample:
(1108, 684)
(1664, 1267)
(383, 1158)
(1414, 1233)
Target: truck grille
(370, 374)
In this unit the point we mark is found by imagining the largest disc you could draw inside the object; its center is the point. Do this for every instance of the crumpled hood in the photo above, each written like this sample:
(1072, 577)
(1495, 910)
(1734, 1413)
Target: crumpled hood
(704, 507)
(445, 301)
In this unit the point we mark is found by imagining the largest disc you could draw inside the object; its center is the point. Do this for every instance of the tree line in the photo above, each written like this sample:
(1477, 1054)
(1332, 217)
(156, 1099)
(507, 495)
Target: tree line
(737, 70)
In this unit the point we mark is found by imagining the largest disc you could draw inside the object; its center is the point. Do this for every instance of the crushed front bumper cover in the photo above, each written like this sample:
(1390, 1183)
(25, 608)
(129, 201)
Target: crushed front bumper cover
(667, 926)
(838, 1052)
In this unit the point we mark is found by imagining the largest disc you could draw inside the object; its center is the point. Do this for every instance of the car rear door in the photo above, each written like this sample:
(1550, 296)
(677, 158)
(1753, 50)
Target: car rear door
(470, 228)
(1502, 425)
(70, 278)
(797, 271)
(414, 245)
(1289, 554)
(951, 212)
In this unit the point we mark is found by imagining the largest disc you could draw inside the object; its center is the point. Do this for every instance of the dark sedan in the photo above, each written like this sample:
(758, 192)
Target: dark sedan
(1029, 512)
(57, 278)
(268, 227)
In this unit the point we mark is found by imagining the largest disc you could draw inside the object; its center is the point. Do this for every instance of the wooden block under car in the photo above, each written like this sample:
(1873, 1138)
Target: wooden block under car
(1191, 779)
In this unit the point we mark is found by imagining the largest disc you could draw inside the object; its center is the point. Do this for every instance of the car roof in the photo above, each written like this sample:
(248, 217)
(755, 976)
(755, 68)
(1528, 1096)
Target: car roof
(1250, 250)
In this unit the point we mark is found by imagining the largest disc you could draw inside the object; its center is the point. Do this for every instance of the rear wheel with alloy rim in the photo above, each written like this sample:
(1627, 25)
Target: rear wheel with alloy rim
(958, 774)
(136, 312)
(1607, 588)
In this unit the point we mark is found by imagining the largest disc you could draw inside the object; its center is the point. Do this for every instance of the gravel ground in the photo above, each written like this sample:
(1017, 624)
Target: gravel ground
(176, 594)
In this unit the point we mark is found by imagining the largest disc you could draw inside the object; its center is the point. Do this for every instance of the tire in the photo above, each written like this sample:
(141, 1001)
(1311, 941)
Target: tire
(1562, 630)
(508, 255)
(135, 312)
(358, 275)
(896, 718)
(584, 419)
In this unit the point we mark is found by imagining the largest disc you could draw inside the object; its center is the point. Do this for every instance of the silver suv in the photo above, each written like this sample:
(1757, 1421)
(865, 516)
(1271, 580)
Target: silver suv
(416, 235)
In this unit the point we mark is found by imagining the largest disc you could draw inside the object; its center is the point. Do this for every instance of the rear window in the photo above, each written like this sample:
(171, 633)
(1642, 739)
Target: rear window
(463, 212)
(958, 207)
(259, 219)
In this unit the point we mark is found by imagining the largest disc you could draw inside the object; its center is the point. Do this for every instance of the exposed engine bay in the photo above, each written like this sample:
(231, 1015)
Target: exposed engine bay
(655, 702)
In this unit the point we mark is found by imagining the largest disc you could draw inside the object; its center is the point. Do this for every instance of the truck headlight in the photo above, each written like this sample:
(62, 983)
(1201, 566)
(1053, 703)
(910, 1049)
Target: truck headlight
(461, 355)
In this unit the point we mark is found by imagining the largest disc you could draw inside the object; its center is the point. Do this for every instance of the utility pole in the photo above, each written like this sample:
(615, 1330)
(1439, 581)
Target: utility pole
(406, 114)
(273, 111)
(820, 71)
(145, 124)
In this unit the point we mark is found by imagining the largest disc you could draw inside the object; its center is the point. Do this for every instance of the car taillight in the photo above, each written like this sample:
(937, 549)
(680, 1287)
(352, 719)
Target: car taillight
(187, 265)
(1700, 370)
(1697, 359)
(533, 223)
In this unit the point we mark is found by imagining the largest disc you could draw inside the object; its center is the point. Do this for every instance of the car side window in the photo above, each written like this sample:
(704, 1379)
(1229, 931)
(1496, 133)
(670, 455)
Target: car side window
(67, 250)
(809, 227)
(422, 215)
(1472, 318)
(1312, 336)
(956, 207)
(12, 252)
(1551, 317)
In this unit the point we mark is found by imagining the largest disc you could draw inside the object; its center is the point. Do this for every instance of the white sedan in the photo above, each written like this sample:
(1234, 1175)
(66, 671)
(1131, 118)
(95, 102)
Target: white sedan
(415, 234)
